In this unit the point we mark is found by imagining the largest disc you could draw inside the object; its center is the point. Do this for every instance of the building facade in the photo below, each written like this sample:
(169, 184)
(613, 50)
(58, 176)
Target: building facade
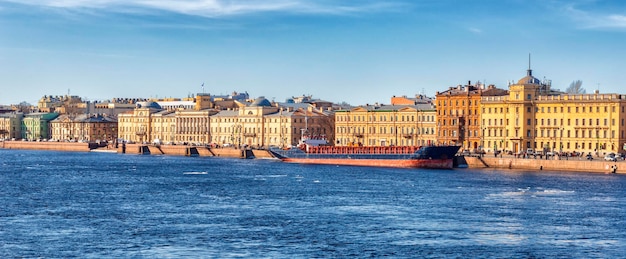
(138, 125)
(84, 128)
(533, 117)
(35, 126)
(259, 124)
(262, 124)
(11, 125)
(193, 126)
(459, 113)
(391, 125)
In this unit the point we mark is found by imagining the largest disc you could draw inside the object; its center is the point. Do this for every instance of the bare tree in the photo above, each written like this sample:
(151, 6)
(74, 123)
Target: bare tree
(576, 87)
(23, 107)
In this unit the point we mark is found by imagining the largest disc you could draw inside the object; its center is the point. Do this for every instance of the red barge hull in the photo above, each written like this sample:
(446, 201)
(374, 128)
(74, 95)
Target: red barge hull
(409, 163)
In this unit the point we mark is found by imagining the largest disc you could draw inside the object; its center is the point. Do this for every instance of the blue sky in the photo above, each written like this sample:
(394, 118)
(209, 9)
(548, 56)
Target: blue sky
(358, 51)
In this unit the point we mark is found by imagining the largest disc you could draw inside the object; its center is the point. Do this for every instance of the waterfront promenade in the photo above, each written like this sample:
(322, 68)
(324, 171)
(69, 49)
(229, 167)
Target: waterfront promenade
(575, 164)
(571, 164)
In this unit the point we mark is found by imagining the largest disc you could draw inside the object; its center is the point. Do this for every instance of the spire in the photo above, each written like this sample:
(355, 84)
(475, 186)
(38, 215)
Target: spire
(529, 72)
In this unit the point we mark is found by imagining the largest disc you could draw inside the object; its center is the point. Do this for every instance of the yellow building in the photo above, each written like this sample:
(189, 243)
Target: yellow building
(259, 124)
(11, 125)
(138, 125)
(60, 104)
(583, 122)
(534, 117)
(262, 124)
(192, 126)
(162, 127)
(148, 123)
(391, 125)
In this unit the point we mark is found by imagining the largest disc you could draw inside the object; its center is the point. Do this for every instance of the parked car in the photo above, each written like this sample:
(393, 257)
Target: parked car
(530, 151)
(479, 151)
(610, 157)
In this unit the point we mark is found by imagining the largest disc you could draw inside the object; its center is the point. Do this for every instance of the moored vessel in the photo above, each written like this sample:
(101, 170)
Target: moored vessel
(379, 156)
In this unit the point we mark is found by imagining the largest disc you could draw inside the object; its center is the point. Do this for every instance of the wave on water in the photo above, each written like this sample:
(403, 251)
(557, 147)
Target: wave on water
(275, 175)
(554, 191)
(195, 173)
(532, 192)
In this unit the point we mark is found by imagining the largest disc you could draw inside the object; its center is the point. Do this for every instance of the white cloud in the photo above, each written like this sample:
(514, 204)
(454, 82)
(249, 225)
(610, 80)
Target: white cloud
(216, 8)
(616, 20)
(595, 19)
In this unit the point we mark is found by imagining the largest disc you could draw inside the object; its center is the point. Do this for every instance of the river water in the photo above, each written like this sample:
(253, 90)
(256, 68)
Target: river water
(95, 205)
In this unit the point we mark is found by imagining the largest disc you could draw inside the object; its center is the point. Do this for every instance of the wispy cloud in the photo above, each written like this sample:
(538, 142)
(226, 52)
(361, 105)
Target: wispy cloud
(587, 17)
(475, 30)
(217, 8)
(613, 20)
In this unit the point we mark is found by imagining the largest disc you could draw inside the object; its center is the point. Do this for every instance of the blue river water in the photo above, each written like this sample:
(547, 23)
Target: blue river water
(95, 205)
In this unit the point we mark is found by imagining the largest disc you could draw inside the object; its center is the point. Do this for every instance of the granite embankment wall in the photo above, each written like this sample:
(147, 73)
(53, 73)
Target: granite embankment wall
(60, 146)
(571, 165)
(174, 150)
(178, 150)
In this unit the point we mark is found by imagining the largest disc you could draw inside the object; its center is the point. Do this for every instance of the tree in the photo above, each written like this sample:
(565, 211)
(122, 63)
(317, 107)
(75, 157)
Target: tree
(23, 107)
(576, 87)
